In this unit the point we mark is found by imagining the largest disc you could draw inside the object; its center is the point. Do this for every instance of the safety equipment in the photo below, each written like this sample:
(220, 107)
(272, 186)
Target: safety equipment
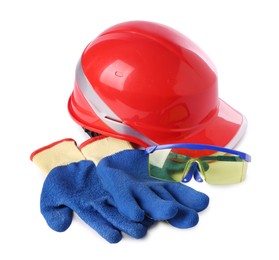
(71, 186)
(214, 164)
(125, 175)
(149, 84)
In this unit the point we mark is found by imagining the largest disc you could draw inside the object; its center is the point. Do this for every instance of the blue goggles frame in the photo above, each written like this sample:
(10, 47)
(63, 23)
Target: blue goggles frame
(242, 155)
(199, 164)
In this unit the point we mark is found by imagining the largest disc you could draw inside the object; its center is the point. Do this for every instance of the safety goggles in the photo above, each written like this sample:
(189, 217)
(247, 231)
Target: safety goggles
(181, 162)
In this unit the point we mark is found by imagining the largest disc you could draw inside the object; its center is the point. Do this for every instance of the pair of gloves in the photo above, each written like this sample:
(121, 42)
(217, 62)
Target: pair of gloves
(116, 196)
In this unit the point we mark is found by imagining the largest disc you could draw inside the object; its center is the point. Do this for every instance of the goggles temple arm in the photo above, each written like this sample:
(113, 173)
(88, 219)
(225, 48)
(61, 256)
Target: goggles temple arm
(242, 155)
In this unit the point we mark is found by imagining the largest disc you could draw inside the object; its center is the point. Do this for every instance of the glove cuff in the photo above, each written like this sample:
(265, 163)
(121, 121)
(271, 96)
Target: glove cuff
(59, 153)
(99, 147)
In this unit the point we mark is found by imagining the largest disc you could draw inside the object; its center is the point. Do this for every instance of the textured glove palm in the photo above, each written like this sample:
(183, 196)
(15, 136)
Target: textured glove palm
(125, 175)
(75, 187)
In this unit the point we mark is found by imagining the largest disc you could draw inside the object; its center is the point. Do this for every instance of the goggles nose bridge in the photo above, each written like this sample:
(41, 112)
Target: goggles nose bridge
(193, 168)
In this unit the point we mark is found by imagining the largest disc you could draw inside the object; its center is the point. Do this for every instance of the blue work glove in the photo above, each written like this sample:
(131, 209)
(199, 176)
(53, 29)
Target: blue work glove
(125, 175)
(75, 187)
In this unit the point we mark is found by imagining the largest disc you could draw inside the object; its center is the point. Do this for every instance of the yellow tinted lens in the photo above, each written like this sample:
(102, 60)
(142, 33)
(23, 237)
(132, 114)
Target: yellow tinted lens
(230, 171)
(215, 167)
(165, 165)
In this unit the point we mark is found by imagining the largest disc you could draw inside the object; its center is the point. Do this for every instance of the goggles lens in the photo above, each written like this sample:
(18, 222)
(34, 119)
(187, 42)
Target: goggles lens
(213, 166)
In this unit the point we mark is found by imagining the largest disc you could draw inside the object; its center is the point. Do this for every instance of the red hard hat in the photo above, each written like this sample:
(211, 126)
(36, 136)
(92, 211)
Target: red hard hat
(149, 84)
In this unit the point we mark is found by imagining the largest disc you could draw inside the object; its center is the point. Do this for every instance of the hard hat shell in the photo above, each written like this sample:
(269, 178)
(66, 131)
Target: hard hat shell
(149, 84)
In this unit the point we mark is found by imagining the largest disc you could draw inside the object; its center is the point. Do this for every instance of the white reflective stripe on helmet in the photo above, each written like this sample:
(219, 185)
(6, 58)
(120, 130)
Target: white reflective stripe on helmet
(103, 111)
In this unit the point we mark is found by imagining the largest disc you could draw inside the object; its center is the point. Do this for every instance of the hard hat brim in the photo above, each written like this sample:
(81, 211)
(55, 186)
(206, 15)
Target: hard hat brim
(226, 129)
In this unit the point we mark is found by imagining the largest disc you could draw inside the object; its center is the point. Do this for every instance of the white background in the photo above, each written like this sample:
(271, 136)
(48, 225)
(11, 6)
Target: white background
(40, 44)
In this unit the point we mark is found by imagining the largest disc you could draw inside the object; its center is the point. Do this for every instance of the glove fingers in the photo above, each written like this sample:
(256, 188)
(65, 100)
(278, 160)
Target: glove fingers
(100, 225)
(111, 214)
(162, 193)
(185, 218)
(128, 206)
(187, 196)
(147, 222)
(154, 206)
(58, 218)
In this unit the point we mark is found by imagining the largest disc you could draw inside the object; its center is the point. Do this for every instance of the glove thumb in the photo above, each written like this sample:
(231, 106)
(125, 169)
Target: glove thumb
(57, 215)
(58, 218)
